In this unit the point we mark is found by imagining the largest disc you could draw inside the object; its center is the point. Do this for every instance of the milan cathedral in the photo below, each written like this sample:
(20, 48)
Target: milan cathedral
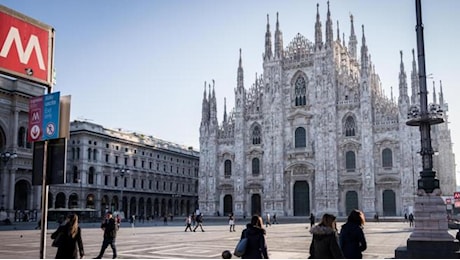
(315, 133)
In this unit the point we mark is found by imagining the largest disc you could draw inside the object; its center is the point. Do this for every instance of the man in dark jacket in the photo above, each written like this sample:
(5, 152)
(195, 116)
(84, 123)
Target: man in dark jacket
(110, 233)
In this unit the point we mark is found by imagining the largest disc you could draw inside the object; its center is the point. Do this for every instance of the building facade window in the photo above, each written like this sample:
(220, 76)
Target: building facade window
(387, 158)
(350, 161)
(256, 136)
(255, 166)
(300, 92)
(300, 137)
(227, 168)
(350, 126)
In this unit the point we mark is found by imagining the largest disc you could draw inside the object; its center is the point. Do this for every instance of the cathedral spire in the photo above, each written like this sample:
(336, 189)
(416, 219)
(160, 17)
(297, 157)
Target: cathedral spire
(204, 107)
(213, 104)
(225, 110)
(415, 100)
(403, 96)
(352, 42)
(434, 93)
(343, 39)
(268, 42)
(278, 40)
(364, 55)
(441, 95)
(318, 32)
(240, 79)
(338, 33)
(329, 33)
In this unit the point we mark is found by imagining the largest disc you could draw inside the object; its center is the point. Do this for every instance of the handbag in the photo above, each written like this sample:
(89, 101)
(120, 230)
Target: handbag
(240, 248)
(57, 241)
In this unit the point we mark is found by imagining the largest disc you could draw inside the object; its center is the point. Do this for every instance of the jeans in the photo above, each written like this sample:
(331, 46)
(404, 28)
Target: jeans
(105, 244)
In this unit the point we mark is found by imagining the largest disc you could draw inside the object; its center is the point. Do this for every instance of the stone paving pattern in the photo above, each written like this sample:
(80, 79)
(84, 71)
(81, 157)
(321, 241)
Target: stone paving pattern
(157, 241)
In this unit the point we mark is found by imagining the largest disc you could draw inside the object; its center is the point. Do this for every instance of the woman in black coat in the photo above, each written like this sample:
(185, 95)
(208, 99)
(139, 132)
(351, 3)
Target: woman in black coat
(352, 239)
(325, 239)
(257, 246)
(71, 237)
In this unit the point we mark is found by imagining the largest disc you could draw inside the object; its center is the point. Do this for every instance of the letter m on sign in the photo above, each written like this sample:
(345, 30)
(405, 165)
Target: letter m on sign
(26, 47)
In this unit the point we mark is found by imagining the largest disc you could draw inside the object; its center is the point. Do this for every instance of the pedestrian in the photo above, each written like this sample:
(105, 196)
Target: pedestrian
(70, 238)
(39, 224)
(132, 220)
(352, 239)
(376, 217)
(324, 243)
(411, 220)
(275, 221)
(405, 217)
(193, 219)
(165, 220)
(188, 223)
(312, 220)
(268, 220)
(118, 221)
(256, 247)
(199, 222)
(110, 234)
(231, 222)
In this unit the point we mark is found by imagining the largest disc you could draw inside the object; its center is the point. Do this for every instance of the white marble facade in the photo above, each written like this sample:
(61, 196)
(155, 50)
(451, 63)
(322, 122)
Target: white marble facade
(316, 133)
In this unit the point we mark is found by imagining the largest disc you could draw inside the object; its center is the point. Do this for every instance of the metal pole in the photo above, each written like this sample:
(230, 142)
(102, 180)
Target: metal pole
(44, 218)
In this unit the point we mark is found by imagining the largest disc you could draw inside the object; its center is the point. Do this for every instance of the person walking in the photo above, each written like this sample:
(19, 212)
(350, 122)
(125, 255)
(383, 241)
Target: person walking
(257, 245)
(275, 221)
(199, 222)
(325, 239)
(110, 233)
(411, 220)
(268, 220)
(312, 220)
(188, 223)
(231, 222)
(352, 240)
(70, 238)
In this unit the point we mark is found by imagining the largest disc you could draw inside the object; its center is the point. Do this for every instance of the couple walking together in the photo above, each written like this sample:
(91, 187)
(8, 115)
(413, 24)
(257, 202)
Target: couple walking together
(351, 242)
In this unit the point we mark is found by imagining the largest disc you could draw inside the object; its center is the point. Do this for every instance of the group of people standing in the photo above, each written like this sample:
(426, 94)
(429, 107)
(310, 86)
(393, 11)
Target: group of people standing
(350, 243)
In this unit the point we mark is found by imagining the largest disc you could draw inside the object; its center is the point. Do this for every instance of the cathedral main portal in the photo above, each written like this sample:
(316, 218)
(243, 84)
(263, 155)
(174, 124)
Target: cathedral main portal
(301, 198)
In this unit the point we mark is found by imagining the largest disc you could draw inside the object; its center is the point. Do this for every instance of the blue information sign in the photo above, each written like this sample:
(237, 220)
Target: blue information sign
(51, 116)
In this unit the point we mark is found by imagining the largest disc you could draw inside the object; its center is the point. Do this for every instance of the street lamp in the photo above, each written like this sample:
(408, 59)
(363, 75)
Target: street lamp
(80, 181)
(5, 157)
(122, 172)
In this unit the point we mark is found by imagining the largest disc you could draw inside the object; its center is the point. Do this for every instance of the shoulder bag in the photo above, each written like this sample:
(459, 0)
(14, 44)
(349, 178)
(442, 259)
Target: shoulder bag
(240, 248)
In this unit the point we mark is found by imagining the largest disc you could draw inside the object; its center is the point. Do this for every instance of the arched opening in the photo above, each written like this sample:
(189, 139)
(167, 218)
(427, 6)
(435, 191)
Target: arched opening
(351, 201)
(256, 207)
(301, 198)
(21, 195)
(228, 204)
(389, 203)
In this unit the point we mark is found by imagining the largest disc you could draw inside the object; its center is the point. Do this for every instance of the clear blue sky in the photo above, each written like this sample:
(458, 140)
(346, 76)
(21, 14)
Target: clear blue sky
(141, 65)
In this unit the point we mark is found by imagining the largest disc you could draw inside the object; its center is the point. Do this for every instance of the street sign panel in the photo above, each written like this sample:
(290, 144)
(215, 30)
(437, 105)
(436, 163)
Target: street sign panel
(44, 117)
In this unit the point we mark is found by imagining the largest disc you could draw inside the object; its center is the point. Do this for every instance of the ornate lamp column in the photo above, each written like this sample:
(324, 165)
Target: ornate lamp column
(5, 157)
(122, 172)
(430, 238)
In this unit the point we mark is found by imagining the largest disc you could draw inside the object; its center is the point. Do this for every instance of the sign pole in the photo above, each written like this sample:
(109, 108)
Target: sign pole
(44, 218)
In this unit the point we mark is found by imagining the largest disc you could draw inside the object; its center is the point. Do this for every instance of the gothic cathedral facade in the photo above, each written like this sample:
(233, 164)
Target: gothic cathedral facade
(315, 133)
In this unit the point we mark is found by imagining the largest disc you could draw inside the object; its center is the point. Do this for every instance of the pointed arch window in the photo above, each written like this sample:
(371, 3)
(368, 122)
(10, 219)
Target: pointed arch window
(300, 92)
(227, 168)
(350, 126)
(256, 136)
(300, 137)
(255, 166)
(387, 158)
(350, 161)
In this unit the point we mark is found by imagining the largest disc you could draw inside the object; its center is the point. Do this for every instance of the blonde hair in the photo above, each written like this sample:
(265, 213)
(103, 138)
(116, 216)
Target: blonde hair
(73, 225)
(328, 220)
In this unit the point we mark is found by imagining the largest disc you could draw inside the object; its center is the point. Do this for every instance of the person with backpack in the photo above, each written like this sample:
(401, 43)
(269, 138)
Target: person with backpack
(199, 222)
(110, 233)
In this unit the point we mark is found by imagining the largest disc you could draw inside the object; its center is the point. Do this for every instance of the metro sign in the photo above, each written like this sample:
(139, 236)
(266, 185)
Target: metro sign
(26, 47)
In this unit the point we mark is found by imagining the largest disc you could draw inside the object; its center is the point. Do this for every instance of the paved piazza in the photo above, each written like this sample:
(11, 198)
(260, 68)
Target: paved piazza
(148, 240)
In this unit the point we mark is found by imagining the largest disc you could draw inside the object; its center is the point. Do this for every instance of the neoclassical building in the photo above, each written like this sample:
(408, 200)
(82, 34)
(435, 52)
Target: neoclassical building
(153, 176)
(316, 133)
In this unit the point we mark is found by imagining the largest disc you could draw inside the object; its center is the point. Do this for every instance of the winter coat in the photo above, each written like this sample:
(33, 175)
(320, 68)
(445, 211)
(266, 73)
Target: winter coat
(110, 229)
(352, 240)
(324, 243)
(257, 246)
(68, 247)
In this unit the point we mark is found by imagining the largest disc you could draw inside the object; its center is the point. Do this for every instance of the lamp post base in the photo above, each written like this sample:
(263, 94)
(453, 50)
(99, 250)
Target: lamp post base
(430, 238)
